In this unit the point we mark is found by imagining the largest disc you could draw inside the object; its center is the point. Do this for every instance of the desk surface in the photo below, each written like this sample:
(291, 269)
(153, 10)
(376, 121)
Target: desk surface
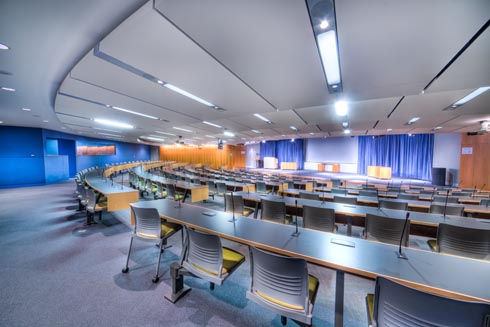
(105, 185)
(421, 218)
(438, 273)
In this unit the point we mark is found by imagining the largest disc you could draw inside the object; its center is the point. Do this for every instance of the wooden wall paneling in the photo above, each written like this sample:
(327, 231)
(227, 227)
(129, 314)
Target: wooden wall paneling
(206, 155)
(474, 168)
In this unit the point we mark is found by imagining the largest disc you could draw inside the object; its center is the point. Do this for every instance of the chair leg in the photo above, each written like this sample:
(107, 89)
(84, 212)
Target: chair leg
(284, 320)
(156, 278)
(125, 269)
(100, 215)
(211, 286)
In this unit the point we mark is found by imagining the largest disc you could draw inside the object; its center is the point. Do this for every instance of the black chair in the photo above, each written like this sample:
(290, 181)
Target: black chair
(394, 304)
(319, 218)
(309, 196)
(387, 204)
(462, 241)
(345, 200)
(274, 211)
(386, 230)
(453, 210)
(235, 203)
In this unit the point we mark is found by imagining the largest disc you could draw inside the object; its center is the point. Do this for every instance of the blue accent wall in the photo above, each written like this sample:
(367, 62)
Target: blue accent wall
(21, 156)
(28, 155)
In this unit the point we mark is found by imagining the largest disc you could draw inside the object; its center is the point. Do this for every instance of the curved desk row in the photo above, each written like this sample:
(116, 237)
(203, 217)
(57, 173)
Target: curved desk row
(446, 275)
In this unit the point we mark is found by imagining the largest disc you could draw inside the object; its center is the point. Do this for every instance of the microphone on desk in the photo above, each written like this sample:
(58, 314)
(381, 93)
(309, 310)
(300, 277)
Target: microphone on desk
(377, 197)
(474, 191)
(345, 187)
(482, 187)
(112, 181)
(323, 195)
(445, 204)
(122, 181)
(296, 233)
(399, 254)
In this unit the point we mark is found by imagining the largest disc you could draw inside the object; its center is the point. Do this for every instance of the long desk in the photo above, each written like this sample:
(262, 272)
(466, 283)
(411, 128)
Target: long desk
(196, 192)
(118, 196)
(420, 221)
(441, 274)
(379, 172)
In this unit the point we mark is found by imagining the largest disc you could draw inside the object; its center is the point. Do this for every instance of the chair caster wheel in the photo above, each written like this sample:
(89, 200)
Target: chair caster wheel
(155, 279)
(125, 270)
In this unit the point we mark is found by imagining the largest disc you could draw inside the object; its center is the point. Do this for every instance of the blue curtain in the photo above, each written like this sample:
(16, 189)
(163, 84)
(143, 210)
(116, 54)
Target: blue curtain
(284, 151)
(408, 156)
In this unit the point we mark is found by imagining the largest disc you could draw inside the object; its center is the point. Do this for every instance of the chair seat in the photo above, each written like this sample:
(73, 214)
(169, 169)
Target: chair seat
(433, 245)
(370, 307)
(98, 207)
(167, 229)
(247, 211)
(231, 260)
(313, 284)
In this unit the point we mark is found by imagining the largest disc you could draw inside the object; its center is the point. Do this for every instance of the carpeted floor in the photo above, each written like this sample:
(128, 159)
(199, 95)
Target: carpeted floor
(54, 271)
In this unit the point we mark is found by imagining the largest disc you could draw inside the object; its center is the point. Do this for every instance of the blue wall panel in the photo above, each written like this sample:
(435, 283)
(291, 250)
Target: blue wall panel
(21, 156)
(56, 168)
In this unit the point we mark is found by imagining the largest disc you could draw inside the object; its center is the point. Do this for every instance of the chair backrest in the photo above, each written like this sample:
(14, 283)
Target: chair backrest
(211, 186)
(346, 200)
(386, 230)
(368, 193)
(260, 186)
(171, 192)
(442, 199)
(319, 218)
(280, 284)
(222, 188)
(204, 256)
(406, 196)
(91, 198)
(426, 192)
(310, 196)
(463, 241)
(234, 203)
(461, 194)
(273, 211)
(338, 191)
(387, 204)
(336, 182)
(454, 210)
(290, 184)
(411, 307)
(147, 222)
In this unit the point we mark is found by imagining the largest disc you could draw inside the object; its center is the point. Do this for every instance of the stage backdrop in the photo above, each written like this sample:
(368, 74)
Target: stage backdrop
(408, 156)
(284, 151)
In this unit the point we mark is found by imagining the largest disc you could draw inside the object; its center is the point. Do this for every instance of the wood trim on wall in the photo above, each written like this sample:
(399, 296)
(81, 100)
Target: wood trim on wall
(474, 169)
(231, 156)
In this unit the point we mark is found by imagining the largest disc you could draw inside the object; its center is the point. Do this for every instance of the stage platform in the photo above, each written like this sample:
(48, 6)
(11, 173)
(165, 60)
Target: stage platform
(343, 176)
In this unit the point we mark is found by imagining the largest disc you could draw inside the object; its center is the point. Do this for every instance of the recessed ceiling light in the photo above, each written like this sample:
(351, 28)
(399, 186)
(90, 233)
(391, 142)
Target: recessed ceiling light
(26, 109)
(183, 129)
(160, 82)
(312, 133)
(327, 44)
(113, 123)
(133, 112)
(156, 139)
(8, 89)
(341, 108)
(294, 128)
(45, 121)
(228, 133)
(256, 131)
(409, 134)
(389, 129)
(413, 120)
(211, 124)
(292, 140)
(1, 122)
(437, 128)
(347, 131)
(345, 124)
(165, 133)
(263, 141)
(324, 24)
(4, 46)
(263, 118)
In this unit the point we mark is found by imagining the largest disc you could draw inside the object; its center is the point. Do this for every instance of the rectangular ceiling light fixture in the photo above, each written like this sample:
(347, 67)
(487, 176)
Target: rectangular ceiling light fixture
(411, 121)
(183, 129)
(113, 123)
(256, 131)
(263, 118)
(132, 112)
(228, 134)
(323, 22)
(470, 96)
(211, 124)
(294, 128)
(165, 133)
(189, 95)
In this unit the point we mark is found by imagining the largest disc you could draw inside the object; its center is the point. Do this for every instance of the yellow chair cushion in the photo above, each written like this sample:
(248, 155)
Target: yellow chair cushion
(432, 245)
(231, 259)
(168, 228)
(313, 284)
(247, 212)
(370, 307)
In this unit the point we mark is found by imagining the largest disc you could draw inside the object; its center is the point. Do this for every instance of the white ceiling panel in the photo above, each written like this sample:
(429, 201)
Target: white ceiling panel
(276, 54)
(395, 48)
(158, 48)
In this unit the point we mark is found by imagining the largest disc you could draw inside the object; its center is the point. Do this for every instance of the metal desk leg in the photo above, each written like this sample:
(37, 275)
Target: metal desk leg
(186, 192)
(349, 225)
(339, 299)
(257, 204)
(178, 288)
